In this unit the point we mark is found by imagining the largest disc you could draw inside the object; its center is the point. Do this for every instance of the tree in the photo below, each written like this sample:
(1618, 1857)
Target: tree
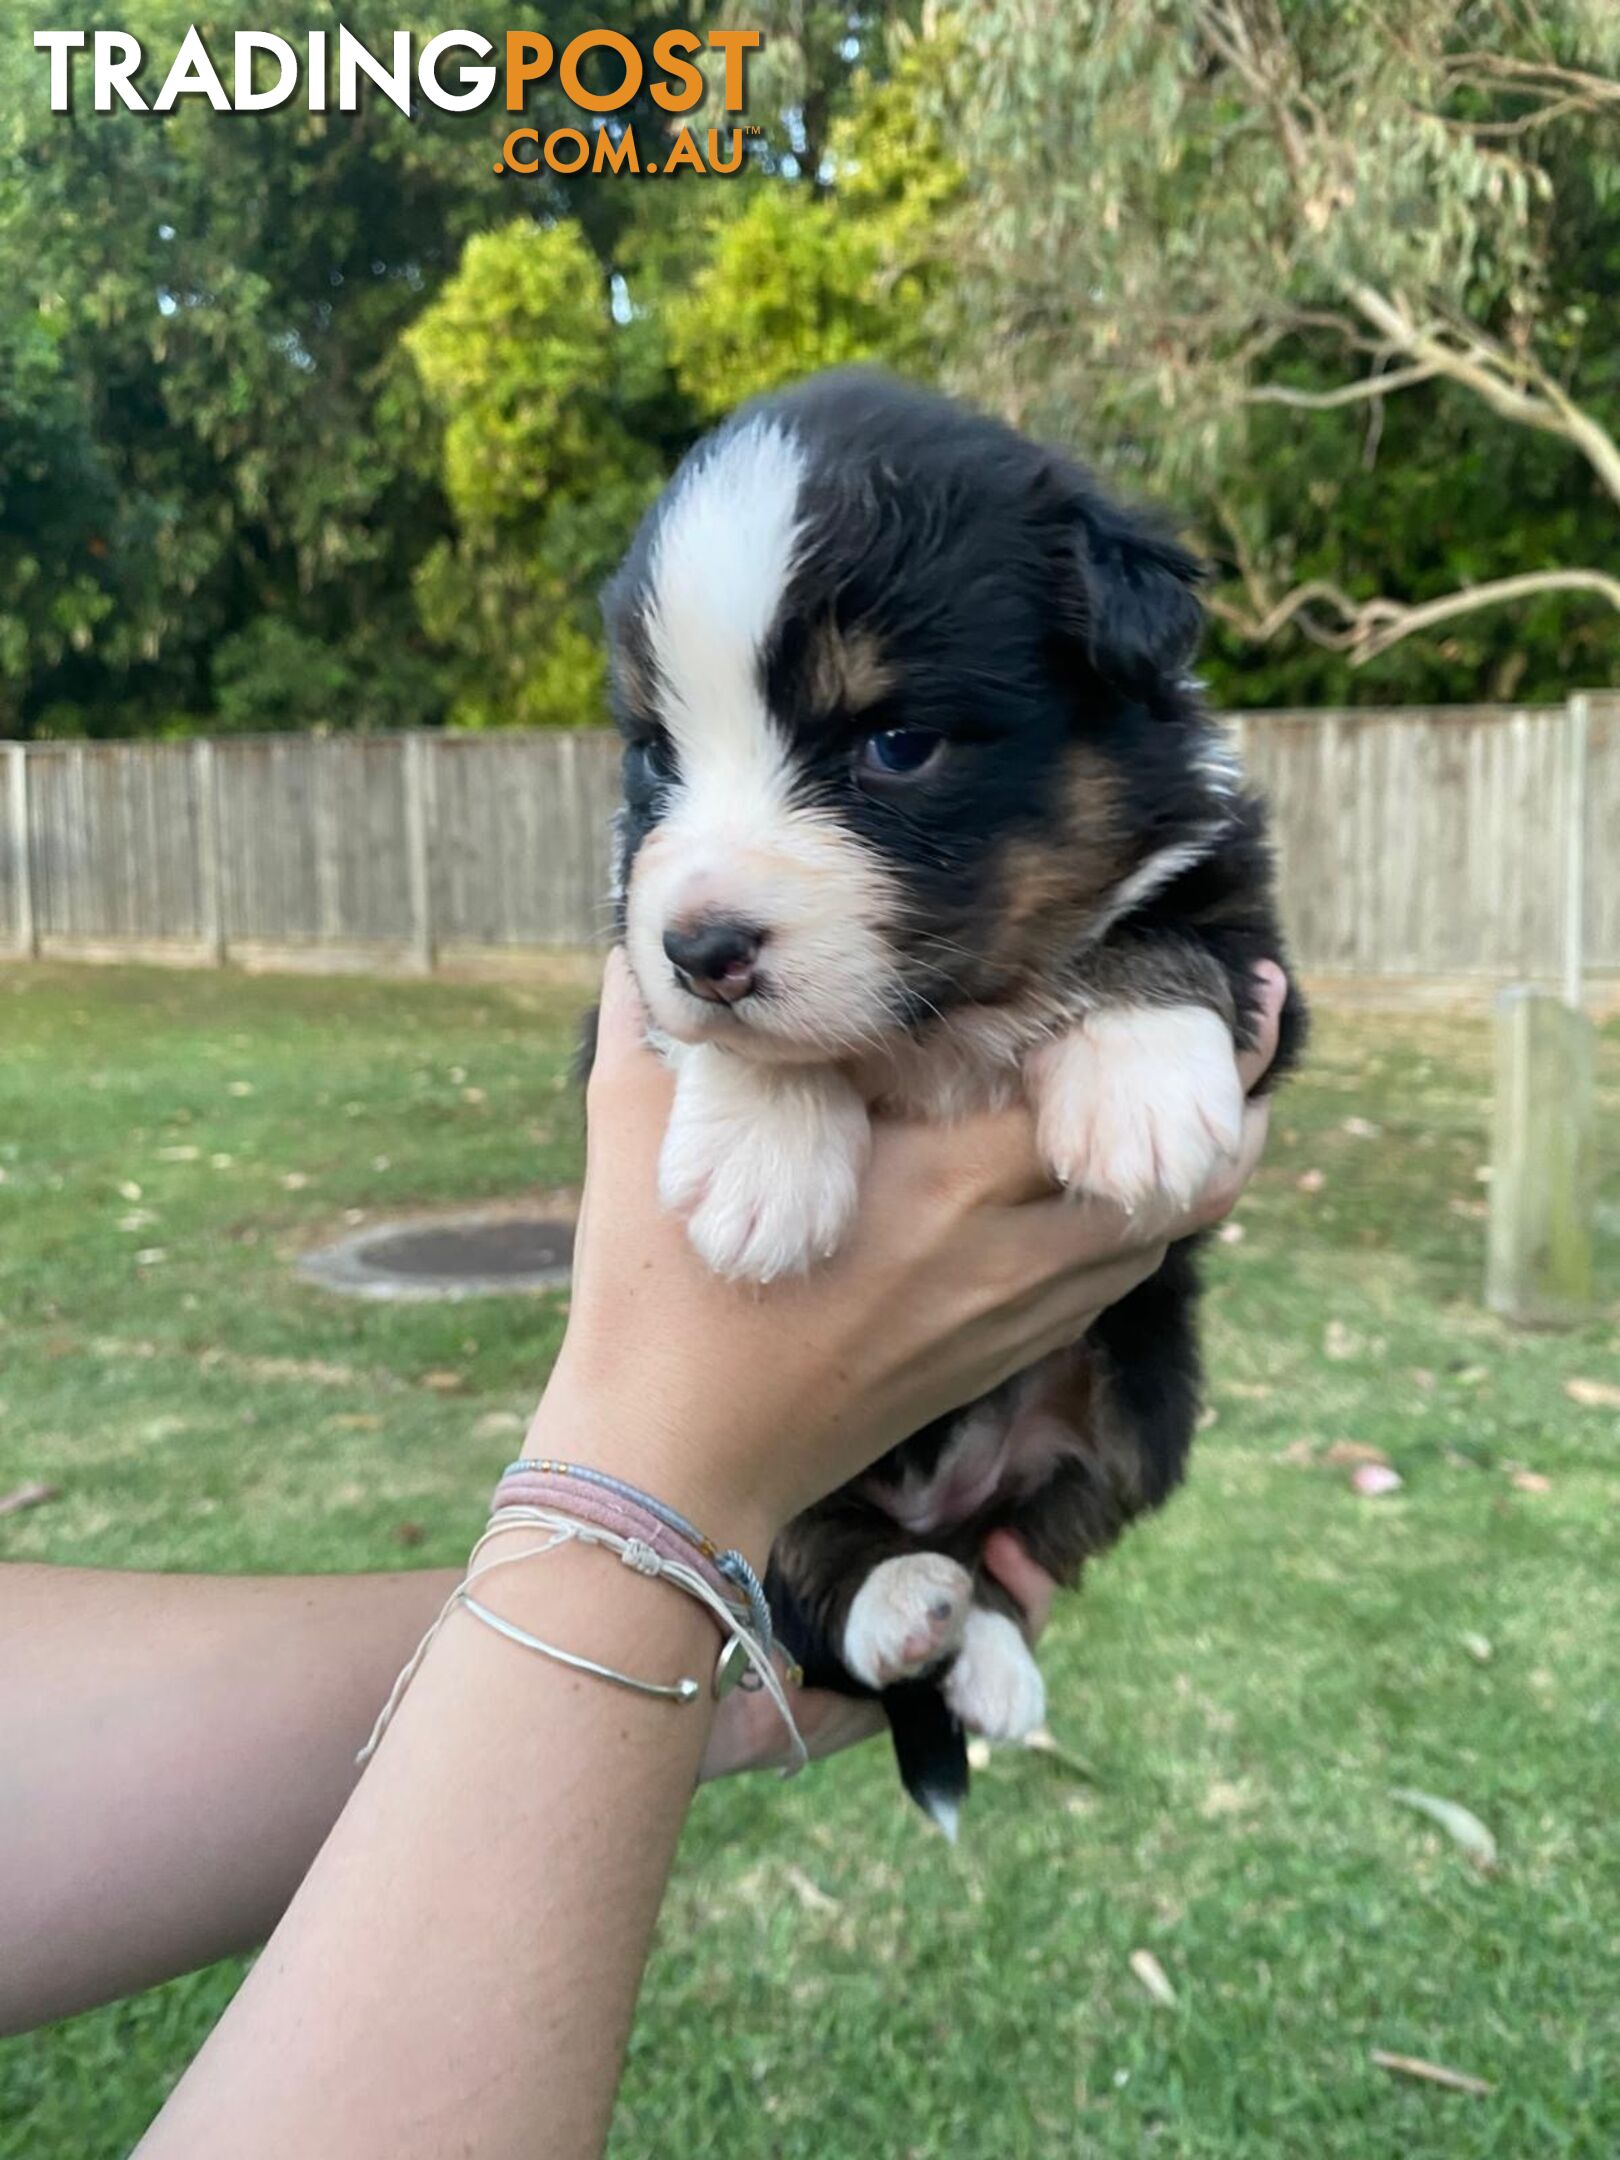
(1235, 241)
(208, 312)
(544, 468)
(802, 277)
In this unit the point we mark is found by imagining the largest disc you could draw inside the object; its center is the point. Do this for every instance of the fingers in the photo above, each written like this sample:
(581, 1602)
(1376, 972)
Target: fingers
(1253, 1064)
(1006, 1559)
(748, 1734)
(624, 1068)
(1225, 1188)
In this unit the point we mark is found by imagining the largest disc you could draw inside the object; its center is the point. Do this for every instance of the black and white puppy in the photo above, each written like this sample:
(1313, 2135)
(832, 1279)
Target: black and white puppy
(921, 810)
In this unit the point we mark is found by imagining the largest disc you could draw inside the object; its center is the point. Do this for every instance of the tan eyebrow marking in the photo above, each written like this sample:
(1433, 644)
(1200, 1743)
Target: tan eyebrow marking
(847, 670)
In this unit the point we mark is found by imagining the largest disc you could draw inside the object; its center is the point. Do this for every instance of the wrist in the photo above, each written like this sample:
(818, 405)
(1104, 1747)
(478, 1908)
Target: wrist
(595, 1422)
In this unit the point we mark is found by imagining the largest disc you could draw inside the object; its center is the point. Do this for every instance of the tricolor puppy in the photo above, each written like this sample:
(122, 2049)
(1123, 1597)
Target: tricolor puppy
(922, 810)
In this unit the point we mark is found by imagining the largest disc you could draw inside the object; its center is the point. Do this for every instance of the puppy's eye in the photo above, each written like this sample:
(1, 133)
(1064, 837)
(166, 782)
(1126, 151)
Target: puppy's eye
(650, 760)
(900, 752)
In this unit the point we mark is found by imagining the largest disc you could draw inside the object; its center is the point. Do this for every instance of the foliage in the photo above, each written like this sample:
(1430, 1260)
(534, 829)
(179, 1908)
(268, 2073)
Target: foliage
(201, 369)
(544, 471)
(802, 279)
(1190, 219)
(1243, 1681)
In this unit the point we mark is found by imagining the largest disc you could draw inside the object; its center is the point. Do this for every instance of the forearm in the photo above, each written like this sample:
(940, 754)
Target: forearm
(176, 1748)
(459, 1969)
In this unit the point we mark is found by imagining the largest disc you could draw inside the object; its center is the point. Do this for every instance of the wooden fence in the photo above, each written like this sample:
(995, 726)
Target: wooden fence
(1458, 843)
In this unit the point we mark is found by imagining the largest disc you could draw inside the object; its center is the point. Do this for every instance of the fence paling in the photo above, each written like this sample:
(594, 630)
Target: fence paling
(1411, 843)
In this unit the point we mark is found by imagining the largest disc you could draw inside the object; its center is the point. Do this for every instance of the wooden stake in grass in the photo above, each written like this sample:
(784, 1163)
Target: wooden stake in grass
(1543, 1189)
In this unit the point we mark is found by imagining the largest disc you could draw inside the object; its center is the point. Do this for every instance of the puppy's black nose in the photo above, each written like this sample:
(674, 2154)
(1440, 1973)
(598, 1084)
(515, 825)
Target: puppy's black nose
(715, 959)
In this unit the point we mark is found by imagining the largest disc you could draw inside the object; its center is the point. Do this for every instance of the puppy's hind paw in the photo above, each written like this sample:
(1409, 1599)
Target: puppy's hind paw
(995, 1686)
(906, 1616)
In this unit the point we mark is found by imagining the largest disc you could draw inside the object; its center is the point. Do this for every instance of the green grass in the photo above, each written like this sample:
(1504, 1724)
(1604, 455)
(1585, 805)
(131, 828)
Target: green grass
(1244, 1681)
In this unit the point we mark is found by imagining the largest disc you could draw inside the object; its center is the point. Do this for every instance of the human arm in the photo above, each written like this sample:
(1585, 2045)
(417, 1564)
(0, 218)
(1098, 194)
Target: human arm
(460, 1965)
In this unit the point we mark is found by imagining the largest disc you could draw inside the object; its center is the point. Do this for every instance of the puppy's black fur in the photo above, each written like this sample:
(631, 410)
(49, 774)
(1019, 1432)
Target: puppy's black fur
(958, 581)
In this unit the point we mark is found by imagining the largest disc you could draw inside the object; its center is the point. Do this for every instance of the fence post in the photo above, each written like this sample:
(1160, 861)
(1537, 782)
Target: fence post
(1538, 1268)
(210, 870)
(24, 927)
(1577, 729)
(418, 851)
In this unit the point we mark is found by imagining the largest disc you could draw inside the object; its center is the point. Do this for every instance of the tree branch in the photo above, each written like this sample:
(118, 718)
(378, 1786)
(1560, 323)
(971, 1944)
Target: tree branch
(1371, 386)
(1370, 627)
(1513, 388)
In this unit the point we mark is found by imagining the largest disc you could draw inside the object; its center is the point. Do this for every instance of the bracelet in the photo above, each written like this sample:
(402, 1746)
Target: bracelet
(745, 1651)
(615, 1504)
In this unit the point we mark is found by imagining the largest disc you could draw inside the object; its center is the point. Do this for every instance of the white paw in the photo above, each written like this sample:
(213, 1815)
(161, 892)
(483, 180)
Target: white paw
(1139, 1105)
(766, 1167)
(995, 1686)
(906, 1616)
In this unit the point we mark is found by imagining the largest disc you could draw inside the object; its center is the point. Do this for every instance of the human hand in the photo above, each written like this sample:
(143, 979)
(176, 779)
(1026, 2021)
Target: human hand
(741, 1405)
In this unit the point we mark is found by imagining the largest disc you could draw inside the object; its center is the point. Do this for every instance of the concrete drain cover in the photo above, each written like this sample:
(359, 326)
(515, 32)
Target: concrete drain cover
(478, 1253)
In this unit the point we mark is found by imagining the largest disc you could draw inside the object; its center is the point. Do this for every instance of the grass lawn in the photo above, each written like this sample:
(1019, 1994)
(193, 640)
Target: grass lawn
(1240, 1686)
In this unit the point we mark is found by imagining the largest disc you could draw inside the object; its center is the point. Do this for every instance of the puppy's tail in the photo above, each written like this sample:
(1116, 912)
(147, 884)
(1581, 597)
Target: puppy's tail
(931, 1749)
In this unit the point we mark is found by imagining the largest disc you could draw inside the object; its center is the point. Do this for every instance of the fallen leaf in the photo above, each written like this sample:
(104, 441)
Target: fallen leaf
(34, 1494)
(356, 1421)
(1593, 1394)
(408, 1533)
(1344, 1453)
(810, 1895)
(153, 1256)
(1338, 1343)
(1373, 1480)
(496, 1423)
(1310, 1181)
(241, 1087)
(1460, 1824)
(1530, 1481)
(295, 1181)
(129, 1190)
(1432, 2073)
(1299, 1453)
(1360, 1128)
(1477, 1646)
(1207, 1417)
(474, 1095)
(1231, 1233)
(444, 1383)
(178, 1154)
(1154, 1978)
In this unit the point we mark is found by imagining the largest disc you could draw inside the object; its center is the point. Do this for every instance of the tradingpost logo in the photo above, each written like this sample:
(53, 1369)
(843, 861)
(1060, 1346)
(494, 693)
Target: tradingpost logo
(456, 70)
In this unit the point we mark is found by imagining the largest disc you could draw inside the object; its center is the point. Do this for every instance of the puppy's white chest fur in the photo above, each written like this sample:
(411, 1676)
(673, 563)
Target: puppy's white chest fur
(1134, 1104)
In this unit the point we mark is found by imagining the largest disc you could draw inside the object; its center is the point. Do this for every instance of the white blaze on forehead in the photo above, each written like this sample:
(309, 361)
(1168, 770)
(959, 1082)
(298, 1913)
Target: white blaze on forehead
(720, 569)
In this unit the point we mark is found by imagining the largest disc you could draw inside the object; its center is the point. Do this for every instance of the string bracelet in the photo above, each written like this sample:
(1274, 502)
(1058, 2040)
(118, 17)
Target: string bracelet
(615, 1504)
(745, 1652)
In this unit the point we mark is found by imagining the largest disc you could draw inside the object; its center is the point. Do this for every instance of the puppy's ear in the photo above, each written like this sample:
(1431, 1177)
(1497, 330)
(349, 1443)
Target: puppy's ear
(1129, 592)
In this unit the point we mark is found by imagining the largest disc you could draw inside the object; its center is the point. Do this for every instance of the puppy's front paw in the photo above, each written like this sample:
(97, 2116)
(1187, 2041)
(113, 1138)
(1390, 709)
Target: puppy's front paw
(1139, 1105)
(766, 1167)
(906, 1616)
(995, 1686)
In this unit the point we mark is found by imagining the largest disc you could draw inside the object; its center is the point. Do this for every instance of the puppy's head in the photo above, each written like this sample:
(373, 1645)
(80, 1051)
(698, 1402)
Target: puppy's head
(905, 720)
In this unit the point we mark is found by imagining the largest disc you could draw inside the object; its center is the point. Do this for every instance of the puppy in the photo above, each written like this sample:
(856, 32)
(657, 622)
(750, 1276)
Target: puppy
(921, 811)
